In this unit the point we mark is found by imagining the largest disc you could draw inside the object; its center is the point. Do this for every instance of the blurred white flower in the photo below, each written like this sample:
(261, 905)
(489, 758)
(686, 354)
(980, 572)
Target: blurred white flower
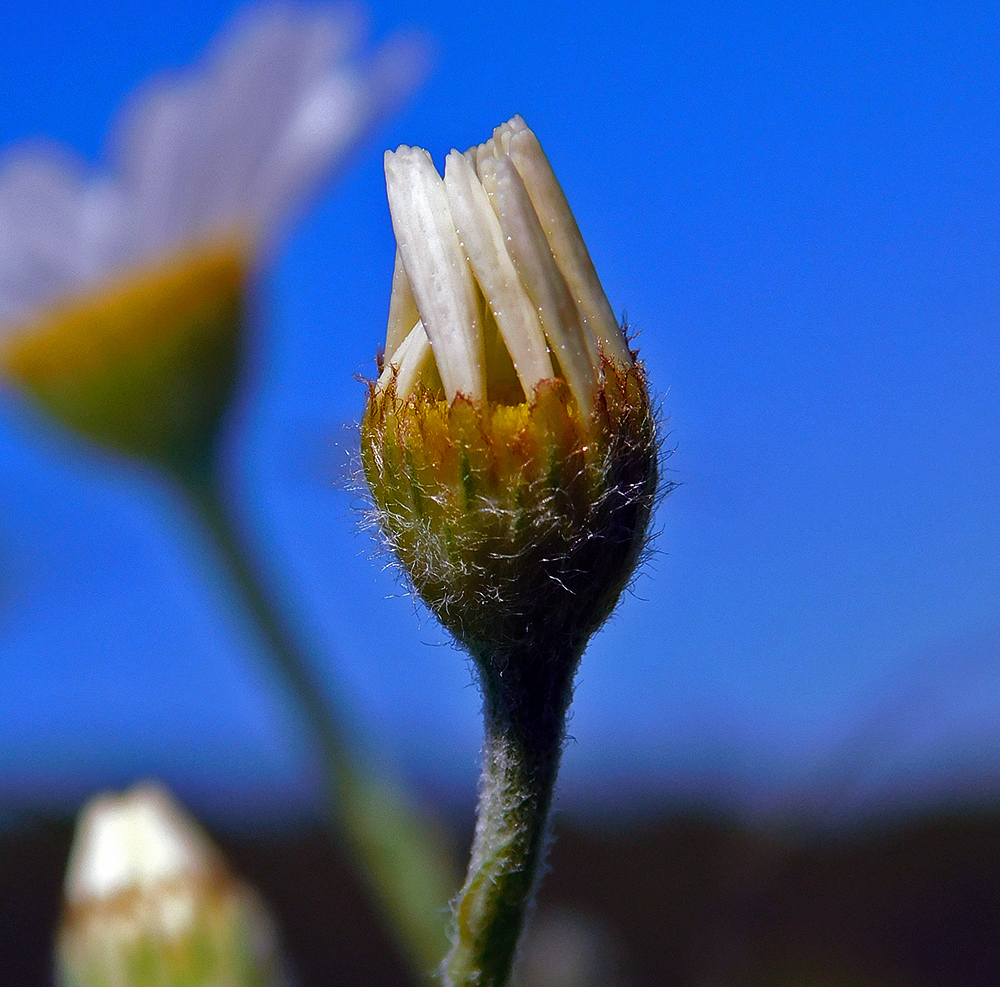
(149, 900)
(222, 150)
(123, 291)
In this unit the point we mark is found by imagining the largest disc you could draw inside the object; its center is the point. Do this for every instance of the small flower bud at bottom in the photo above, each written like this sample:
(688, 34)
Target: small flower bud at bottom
(150, 901)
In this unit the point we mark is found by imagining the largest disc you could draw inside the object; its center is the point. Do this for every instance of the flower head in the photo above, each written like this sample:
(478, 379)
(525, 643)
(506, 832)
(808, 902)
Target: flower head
(508, 442)
(149, 900)
(121, 291)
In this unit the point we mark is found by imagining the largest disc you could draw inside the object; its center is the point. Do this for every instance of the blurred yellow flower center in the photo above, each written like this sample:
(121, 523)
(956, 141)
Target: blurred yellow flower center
(145, 363)
(139, 310)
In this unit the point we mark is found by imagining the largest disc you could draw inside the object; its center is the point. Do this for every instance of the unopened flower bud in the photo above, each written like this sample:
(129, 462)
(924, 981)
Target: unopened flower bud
(508, 443)
(150, 902)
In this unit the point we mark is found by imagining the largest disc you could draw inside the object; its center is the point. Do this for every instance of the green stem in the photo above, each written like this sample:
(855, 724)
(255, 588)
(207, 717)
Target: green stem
(520, 762)
(399, 853)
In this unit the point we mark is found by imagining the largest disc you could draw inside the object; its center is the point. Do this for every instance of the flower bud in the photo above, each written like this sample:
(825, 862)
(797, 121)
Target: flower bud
(149, 902)
(509, 443)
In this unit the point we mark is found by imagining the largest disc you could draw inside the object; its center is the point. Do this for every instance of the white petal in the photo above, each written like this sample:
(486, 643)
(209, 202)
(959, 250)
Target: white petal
(331, 115)
(544, 284)
(158, 176)
(479, 230)
(501, 139)
(135, 840)
(227, 147)
(411, 358)
(437, 270)
(39, 210)
(192, 150)
(484, 158)
(402, 310)
(564, 239)
(55, 228)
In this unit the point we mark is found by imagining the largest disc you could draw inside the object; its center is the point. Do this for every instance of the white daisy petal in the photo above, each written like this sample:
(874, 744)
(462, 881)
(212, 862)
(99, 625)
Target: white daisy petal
(565, 240)
(483, 240)
(157, 177)
(500, 143)
(292, 114)
(529, 250)
(437, 270)
(55, 229)
(402, 310)
(410, 359)
(331, 116)
(523, 308)
(39, 211)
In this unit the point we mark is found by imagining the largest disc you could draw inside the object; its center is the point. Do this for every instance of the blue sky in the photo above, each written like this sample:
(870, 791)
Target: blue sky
(796, 206)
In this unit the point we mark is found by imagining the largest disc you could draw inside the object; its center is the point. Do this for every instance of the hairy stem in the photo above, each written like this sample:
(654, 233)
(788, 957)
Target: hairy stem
(524, 734)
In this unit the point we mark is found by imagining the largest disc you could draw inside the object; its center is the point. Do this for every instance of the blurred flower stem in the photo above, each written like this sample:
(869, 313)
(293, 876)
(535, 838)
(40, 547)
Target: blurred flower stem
(401, 854)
